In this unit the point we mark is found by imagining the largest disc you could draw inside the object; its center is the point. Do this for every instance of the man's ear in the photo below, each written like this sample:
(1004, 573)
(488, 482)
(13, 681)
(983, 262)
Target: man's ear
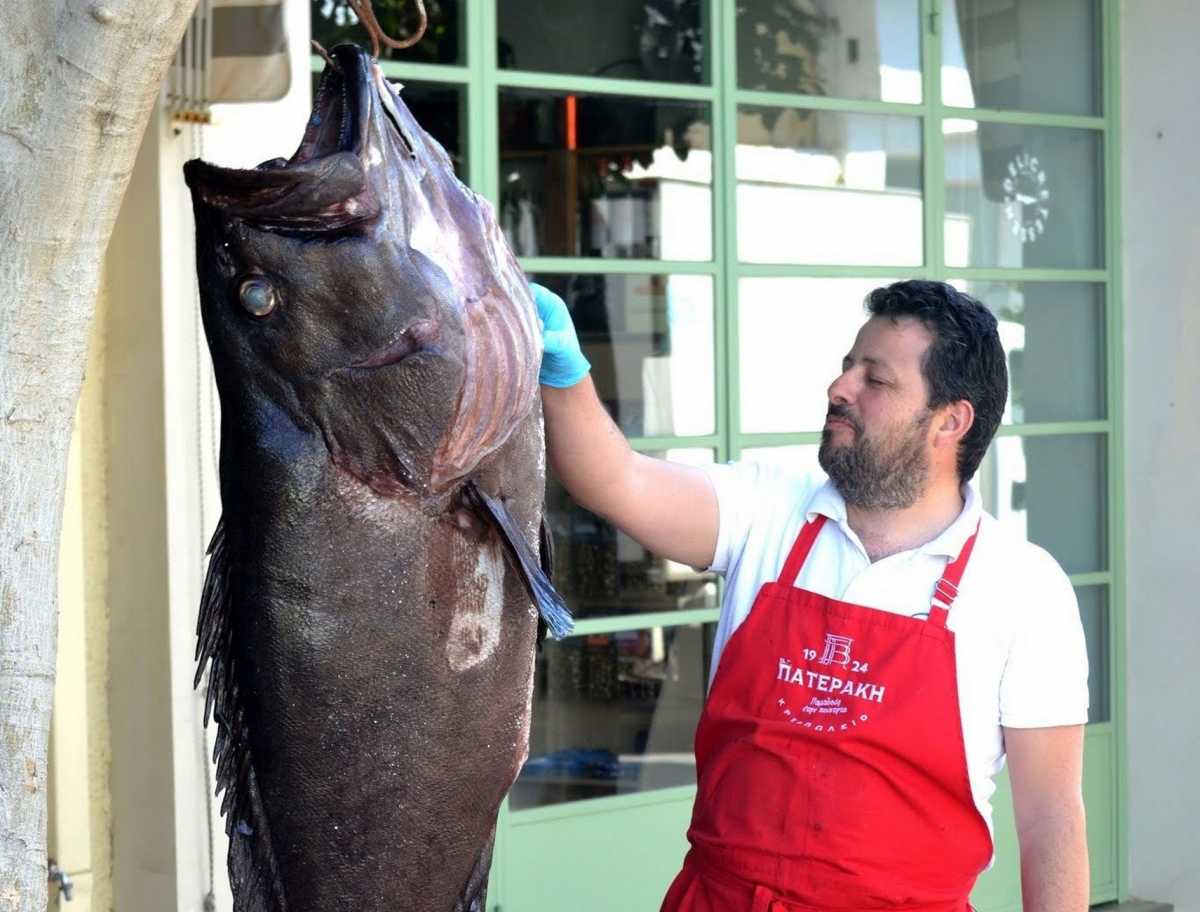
(952, 423)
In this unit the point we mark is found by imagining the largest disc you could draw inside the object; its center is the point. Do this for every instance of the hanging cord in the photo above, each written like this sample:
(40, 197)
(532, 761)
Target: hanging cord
(203, 393)
(366, 15)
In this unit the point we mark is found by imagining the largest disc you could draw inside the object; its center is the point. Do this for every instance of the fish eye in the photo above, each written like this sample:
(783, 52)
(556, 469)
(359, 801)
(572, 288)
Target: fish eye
(258, 296)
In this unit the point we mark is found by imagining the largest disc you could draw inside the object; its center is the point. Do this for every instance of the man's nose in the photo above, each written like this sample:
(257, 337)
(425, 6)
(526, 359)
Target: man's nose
(841, 390)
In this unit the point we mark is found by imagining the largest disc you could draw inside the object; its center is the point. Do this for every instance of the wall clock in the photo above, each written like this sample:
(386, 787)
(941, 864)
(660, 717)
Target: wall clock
(1026, 197)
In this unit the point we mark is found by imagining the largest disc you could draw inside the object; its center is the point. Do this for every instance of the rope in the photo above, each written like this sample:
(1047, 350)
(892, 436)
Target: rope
(316, 46)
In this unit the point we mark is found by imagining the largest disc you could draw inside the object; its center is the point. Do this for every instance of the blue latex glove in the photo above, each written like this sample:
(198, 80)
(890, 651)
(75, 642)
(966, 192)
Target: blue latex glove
(563, 363)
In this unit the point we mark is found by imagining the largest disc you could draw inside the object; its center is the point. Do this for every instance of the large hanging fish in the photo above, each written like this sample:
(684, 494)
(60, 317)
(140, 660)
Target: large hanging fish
(369, 613)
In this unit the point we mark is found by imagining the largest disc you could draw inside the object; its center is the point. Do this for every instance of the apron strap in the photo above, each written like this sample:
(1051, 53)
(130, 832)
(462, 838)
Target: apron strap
(799, 553)
(944, 593)
(946, 590)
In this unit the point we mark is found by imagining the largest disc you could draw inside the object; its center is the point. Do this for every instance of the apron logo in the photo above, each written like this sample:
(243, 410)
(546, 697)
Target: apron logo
(830, 684)
(837, 650)
(829, 705)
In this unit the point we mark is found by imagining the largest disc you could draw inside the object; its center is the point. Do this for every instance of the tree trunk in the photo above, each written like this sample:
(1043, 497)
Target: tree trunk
(78, 79)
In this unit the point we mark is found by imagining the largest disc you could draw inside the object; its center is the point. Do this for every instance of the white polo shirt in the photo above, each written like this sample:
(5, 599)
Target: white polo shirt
(1019, 645)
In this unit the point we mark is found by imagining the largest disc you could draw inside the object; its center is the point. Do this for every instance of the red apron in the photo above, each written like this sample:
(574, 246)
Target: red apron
(831, 768)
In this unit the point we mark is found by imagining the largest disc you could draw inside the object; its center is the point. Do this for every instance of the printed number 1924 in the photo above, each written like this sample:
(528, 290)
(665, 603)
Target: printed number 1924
(852, 664)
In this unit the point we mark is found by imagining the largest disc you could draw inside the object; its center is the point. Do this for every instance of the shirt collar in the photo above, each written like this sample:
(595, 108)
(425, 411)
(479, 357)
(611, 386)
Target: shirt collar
(826, 501)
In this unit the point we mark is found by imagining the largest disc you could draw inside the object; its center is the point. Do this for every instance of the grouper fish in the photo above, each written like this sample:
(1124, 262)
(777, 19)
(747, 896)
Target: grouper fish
(376, 583)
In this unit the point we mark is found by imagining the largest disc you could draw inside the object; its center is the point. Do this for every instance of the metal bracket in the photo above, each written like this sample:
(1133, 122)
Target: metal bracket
(188, 80)
(57, 875)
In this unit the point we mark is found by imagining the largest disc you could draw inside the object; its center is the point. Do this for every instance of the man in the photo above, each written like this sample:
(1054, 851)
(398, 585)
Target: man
(883, 645)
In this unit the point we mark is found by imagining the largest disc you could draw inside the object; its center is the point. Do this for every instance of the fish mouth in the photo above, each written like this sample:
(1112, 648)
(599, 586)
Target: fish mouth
(422, 336)
(323, 187)
(341, 109)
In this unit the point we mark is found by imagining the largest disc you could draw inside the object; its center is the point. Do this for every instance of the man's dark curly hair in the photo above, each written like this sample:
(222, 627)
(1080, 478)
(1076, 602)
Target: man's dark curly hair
(965, 360)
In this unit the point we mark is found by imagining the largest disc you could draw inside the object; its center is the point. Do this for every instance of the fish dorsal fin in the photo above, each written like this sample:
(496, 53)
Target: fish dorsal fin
(550, 605)
(253, 871)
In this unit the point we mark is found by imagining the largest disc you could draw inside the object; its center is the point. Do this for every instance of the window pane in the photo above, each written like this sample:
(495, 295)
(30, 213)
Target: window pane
(849, 49)
(827, 187)
(1052, 491)
(650, 341)
(1093, 611)
(793, 332)
(662, 40)
(602, 572)
(333, 22)
(605, 176)
(614, 714)
(1019, 196)
(1022, 55)
(792, 335)
(1053, 334)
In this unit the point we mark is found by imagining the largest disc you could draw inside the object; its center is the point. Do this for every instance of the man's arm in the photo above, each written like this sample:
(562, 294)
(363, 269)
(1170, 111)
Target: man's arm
(1046, 771)
(670, 509)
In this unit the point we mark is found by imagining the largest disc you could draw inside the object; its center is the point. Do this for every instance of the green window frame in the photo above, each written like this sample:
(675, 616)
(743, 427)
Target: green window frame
(482, 80)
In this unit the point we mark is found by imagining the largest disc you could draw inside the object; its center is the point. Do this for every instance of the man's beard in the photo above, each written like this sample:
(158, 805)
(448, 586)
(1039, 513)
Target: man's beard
(887, 474)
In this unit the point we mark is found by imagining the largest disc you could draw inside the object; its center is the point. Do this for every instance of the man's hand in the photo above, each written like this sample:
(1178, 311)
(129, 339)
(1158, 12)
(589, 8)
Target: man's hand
(563, 363)
(1046, 770)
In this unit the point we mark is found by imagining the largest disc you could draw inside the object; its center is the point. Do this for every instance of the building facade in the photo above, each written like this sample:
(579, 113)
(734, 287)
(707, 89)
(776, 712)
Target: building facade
(713, 187)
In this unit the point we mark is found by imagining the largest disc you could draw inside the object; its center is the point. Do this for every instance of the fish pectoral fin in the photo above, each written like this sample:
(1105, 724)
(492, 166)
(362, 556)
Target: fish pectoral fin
(545, 548)
(551, 607)
(474, 896)
(546, 561)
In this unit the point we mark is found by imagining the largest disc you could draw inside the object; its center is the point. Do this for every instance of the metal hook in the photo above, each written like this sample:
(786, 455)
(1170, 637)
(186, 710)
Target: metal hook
(366, 15)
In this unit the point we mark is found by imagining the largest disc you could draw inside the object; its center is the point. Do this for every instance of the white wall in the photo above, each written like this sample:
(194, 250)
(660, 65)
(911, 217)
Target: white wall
(1160, 199)
(141, 776)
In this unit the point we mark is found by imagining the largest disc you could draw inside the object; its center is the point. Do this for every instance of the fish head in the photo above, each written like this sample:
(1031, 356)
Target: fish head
(362, 291)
